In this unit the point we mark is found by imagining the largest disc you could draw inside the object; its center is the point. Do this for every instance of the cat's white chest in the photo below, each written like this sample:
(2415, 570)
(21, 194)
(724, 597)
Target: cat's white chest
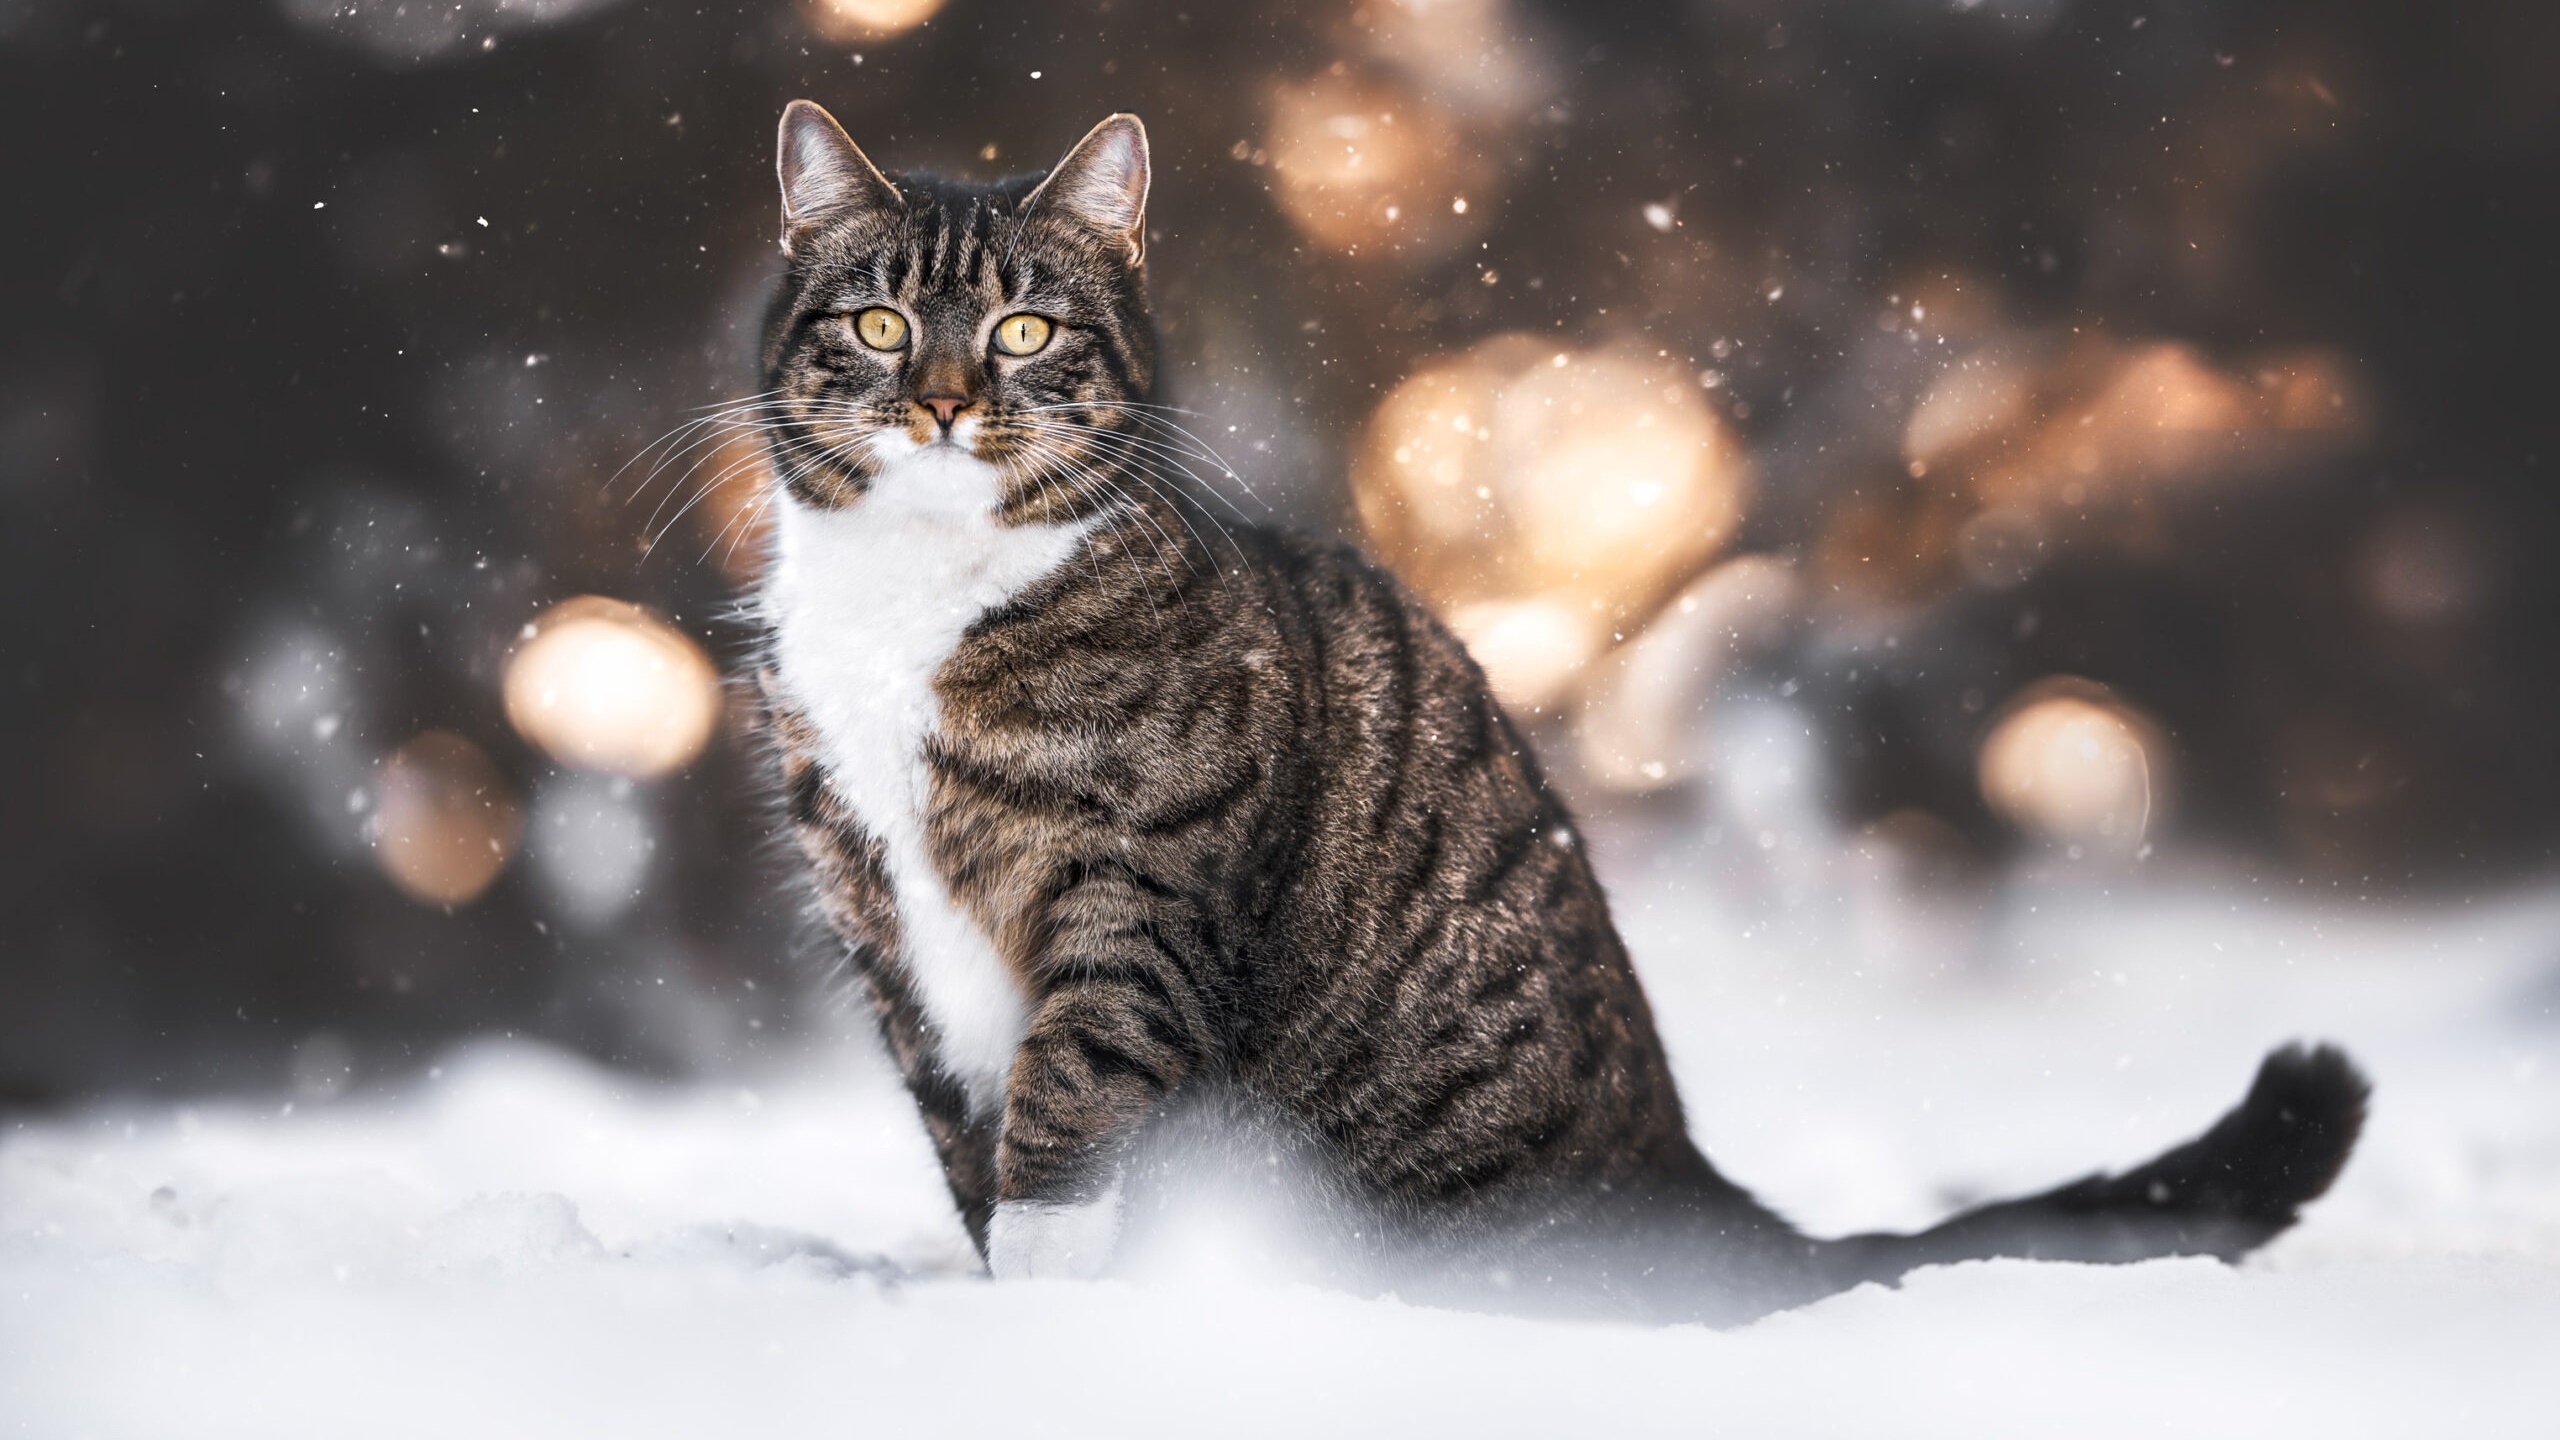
(865, 604)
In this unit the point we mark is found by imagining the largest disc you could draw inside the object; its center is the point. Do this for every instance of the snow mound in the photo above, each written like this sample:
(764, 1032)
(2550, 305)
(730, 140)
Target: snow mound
(521, 1244)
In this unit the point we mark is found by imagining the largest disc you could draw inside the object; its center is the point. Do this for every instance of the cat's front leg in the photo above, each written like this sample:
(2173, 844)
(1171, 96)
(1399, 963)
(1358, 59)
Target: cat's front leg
(1121, 1025)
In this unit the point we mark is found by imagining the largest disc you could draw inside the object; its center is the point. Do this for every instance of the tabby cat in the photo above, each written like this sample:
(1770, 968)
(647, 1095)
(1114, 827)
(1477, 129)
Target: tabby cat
(1108, 815)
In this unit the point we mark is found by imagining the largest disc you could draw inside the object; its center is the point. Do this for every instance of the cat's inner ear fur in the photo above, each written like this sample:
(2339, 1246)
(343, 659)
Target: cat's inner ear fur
(824, 175)
(1101, 185)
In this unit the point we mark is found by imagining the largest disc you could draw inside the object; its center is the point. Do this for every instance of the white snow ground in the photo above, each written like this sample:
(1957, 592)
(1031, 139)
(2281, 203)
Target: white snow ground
(523, 1244)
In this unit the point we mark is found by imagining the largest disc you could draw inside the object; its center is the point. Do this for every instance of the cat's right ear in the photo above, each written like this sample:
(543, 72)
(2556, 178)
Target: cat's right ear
(824, 176)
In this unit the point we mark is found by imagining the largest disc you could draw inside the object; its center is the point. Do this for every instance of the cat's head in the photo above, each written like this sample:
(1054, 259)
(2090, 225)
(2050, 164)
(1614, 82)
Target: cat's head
(1005, 321)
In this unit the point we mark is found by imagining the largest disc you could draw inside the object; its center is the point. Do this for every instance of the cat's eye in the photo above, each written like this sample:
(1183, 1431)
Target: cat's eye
(881, 328)
(1022, 334)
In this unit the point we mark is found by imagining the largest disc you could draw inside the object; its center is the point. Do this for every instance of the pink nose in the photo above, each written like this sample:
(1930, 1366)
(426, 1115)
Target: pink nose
(945, 408)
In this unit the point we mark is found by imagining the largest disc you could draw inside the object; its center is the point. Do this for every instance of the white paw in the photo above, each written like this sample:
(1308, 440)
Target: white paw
(1028, 1240)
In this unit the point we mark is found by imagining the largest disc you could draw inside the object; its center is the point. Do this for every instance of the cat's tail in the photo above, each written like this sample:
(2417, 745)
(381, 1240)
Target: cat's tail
(2224, 1193)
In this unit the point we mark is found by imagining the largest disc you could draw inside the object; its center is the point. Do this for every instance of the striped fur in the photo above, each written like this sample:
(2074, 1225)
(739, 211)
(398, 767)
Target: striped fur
(1233, 811)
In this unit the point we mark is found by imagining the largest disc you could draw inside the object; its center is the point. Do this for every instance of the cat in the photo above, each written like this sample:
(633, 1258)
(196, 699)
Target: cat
(1109, 810)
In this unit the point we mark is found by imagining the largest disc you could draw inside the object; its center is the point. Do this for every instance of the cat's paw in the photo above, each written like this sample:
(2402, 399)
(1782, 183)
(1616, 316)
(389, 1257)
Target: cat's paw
(1033, 1240)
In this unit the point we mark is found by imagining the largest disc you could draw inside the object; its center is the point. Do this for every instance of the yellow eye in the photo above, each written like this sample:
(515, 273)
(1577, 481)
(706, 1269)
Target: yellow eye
(881, 328)
(1022, 334)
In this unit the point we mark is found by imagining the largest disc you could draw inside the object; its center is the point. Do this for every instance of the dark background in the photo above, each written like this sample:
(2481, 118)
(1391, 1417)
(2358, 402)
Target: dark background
(267, 380)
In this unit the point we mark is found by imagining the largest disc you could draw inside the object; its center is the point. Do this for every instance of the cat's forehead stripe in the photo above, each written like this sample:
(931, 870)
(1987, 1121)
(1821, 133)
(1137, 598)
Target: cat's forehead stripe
(935, 246)
(942, 247)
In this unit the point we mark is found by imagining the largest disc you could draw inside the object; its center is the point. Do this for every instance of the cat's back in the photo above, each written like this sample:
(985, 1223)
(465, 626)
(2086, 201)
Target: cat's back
(1458, 1006)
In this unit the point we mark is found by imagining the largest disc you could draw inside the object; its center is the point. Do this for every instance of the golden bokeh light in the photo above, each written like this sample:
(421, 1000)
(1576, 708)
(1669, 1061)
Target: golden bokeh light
(2033, 442)
(1424, 480)
(849, 20)
(1622, 479)
(2163, 415)
(1531, 650)
(445, 821)
(1553, 498)
(1367, 167)
(2070, 762)
(1591, 484)
(606, 685)
(2103, 423)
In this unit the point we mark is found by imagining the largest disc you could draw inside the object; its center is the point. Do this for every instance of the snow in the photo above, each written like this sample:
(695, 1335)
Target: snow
(520, 1243)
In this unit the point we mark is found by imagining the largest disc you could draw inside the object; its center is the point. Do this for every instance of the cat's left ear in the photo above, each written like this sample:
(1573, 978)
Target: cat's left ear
(1102, 185)
(824, 175)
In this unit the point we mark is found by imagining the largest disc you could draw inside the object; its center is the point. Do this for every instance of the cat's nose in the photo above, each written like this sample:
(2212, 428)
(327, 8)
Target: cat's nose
(945, 408)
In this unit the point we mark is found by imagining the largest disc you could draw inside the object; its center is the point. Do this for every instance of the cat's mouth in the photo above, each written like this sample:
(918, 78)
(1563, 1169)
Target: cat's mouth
(961, 435)
(895, 442)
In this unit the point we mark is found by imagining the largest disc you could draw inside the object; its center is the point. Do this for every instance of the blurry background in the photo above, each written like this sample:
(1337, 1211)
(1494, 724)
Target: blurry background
(1902, 455)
